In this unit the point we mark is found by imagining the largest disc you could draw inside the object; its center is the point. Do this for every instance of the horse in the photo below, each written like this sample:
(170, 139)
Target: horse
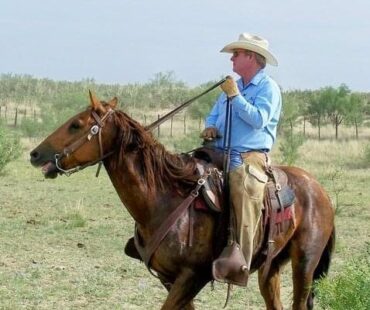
(152, 182)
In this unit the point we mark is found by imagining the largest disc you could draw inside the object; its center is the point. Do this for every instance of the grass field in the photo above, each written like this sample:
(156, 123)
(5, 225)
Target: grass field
(61, 241)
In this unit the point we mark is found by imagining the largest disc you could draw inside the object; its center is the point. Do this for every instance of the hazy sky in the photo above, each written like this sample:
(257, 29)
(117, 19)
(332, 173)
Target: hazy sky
(318, 42)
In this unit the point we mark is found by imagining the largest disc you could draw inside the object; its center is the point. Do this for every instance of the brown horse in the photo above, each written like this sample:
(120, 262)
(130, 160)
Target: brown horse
(151, 183)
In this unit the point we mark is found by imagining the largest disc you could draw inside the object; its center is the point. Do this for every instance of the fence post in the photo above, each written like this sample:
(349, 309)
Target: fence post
(16, 117)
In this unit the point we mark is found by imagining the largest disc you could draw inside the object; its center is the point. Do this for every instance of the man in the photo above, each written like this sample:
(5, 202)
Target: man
(256, 105)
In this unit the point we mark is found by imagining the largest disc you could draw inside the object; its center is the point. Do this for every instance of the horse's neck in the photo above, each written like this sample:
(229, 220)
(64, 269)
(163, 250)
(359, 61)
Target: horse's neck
(133, 191)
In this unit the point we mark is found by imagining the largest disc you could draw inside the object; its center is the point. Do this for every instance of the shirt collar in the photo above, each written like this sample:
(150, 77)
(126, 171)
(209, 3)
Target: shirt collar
(255, 80)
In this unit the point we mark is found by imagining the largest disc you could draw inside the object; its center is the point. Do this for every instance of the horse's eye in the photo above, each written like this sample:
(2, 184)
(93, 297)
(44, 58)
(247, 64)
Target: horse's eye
(75, 125)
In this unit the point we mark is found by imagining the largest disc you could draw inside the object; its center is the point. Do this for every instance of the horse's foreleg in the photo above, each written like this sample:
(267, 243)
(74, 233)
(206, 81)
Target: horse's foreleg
(181, 293)
(270, 289)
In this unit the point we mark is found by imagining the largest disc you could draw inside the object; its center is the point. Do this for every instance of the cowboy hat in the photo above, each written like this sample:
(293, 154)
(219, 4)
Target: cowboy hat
(252, 43)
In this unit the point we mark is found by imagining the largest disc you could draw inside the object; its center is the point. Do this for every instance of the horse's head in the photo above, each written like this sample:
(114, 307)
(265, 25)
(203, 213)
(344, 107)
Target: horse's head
(78, 143)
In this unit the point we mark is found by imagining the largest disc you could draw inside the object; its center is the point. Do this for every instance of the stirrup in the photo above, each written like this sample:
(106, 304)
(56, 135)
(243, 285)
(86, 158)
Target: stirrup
(231, 266)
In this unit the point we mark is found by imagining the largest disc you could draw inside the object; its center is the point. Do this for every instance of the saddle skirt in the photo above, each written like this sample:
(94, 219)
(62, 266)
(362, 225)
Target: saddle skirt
(279, 200)
(211, 191)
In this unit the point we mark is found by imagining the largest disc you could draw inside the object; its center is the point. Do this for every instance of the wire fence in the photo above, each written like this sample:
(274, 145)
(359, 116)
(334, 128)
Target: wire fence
(180, 123)
(13, 116)
(183, 124)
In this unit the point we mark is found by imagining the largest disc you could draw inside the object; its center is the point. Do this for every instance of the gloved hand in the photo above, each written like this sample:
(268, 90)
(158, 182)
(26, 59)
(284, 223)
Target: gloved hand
(230, 87)
(209, 134)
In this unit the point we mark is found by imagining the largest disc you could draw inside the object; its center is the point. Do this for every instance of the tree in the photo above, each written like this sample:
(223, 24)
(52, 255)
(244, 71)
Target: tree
(165, 91)
(316, 110)
(355, 111)
(291, 110)
(337, 102)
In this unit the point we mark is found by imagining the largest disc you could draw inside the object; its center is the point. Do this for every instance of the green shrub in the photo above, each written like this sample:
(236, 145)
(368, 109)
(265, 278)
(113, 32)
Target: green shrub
(289, 148)
(10, 147)
(337, 186)
(350, 288)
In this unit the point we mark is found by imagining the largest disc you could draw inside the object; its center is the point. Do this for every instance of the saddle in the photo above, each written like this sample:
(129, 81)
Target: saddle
(279, 197)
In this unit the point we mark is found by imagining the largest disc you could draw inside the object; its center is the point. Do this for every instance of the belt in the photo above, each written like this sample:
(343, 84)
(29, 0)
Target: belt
(259, 151)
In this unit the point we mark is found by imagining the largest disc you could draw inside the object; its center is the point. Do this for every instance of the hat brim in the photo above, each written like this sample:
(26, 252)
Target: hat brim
(270, 58)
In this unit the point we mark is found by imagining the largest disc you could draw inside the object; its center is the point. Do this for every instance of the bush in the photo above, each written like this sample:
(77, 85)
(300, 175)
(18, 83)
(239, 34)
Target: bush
(289, 148)
(350, 288)
(337, 186)
(10, 147)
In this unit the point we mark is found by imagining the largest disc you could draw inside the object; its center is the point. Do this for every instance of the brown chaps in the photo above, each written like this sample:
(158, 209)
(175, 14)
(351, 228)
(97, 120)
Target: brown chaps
(247, 186)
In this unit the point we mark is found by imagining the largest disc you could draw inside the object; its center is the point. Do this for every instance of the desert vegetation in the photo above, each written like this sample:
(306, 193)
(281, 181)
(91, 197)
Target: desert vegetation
(61, 241)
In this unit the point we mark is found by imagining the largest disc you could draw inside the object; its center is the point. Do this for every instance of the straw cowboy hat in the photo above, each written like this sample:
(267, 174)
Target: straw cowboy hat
(252, 43)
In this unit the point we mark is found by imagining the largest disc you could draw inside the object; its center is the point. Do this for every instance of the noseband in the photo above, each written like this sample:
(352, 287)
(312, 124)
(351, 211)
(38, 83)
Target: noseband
(95, 129)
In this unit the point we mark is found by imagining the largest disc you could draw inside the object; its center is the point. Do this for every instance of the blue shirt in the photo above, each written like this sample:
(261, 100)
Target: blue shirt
(255, 115)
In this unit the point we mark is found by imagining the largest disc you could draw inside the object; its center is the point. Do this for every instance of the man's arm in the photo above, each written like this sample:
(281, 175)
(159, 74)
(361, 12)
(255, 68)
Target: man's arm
(267, 101)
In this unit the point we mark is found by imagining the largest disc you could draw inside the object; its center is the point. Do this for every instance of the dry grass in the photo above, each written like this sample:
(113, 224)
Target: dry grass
(61, 241)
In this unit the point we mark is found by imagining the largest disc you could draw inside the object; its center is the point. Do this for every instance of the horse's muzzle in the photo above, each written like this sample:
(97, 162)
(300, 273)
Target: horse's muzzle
(46, 161)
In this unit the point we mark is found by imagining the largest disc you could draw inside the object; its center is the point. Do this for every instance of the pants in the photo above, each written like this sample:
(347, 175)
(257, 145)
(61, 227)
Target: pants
(247, 186)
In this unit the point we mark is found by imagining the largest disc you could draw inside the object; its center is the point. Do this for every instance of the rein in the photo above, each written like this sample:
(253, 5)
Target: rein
(182, 106)
(94, 130)
(146, 252)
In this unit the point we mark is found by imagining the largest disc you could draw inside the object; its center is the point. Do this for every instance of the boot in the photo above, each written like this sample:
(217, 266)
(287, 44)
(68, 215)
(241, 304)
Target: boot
(231, 266)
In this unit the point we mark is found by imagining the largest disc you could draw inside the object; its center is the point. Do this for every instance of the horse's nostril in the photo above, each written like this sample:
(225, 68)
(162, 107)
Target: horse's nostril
(34, 155)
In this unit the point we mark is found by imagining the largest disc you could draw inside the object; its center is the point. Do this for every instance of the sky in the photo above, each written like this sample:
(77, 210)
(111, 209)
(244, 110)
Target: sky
(318, 43)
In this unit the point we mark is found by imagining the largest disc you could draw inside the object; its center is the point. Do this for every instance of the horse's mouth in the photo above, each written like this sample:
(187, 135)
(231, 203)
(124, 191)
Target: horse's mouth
(49, 170)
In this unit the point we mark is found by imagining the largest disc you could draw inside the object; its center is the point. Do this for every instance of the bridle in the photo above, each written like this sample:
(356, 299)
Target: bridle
(95, 129)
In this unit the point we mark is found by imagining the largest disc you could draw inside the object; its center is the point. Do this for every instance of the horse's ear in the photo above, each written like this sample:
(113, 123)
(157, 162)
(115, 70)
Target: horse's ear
(113, 102)
(95, 102)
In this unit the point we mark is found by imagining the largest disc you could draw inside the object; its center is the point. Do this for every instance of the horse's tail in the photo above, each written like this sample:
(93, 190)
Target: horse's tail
(324, 263)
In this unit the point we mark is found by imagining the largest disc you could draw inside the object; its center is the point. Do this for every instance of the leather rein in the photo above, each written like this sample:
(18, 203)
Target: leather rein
(146, 252)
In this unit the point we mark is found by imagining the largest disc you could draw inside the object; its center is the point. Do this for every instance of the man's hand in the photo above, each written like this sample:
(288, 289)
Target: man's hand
(230, 87)
(210, 134)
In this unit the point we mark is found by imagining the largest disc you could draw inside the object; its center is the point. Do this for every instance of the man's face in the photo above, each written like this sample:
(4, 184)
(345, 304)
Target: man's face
(241, 61)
